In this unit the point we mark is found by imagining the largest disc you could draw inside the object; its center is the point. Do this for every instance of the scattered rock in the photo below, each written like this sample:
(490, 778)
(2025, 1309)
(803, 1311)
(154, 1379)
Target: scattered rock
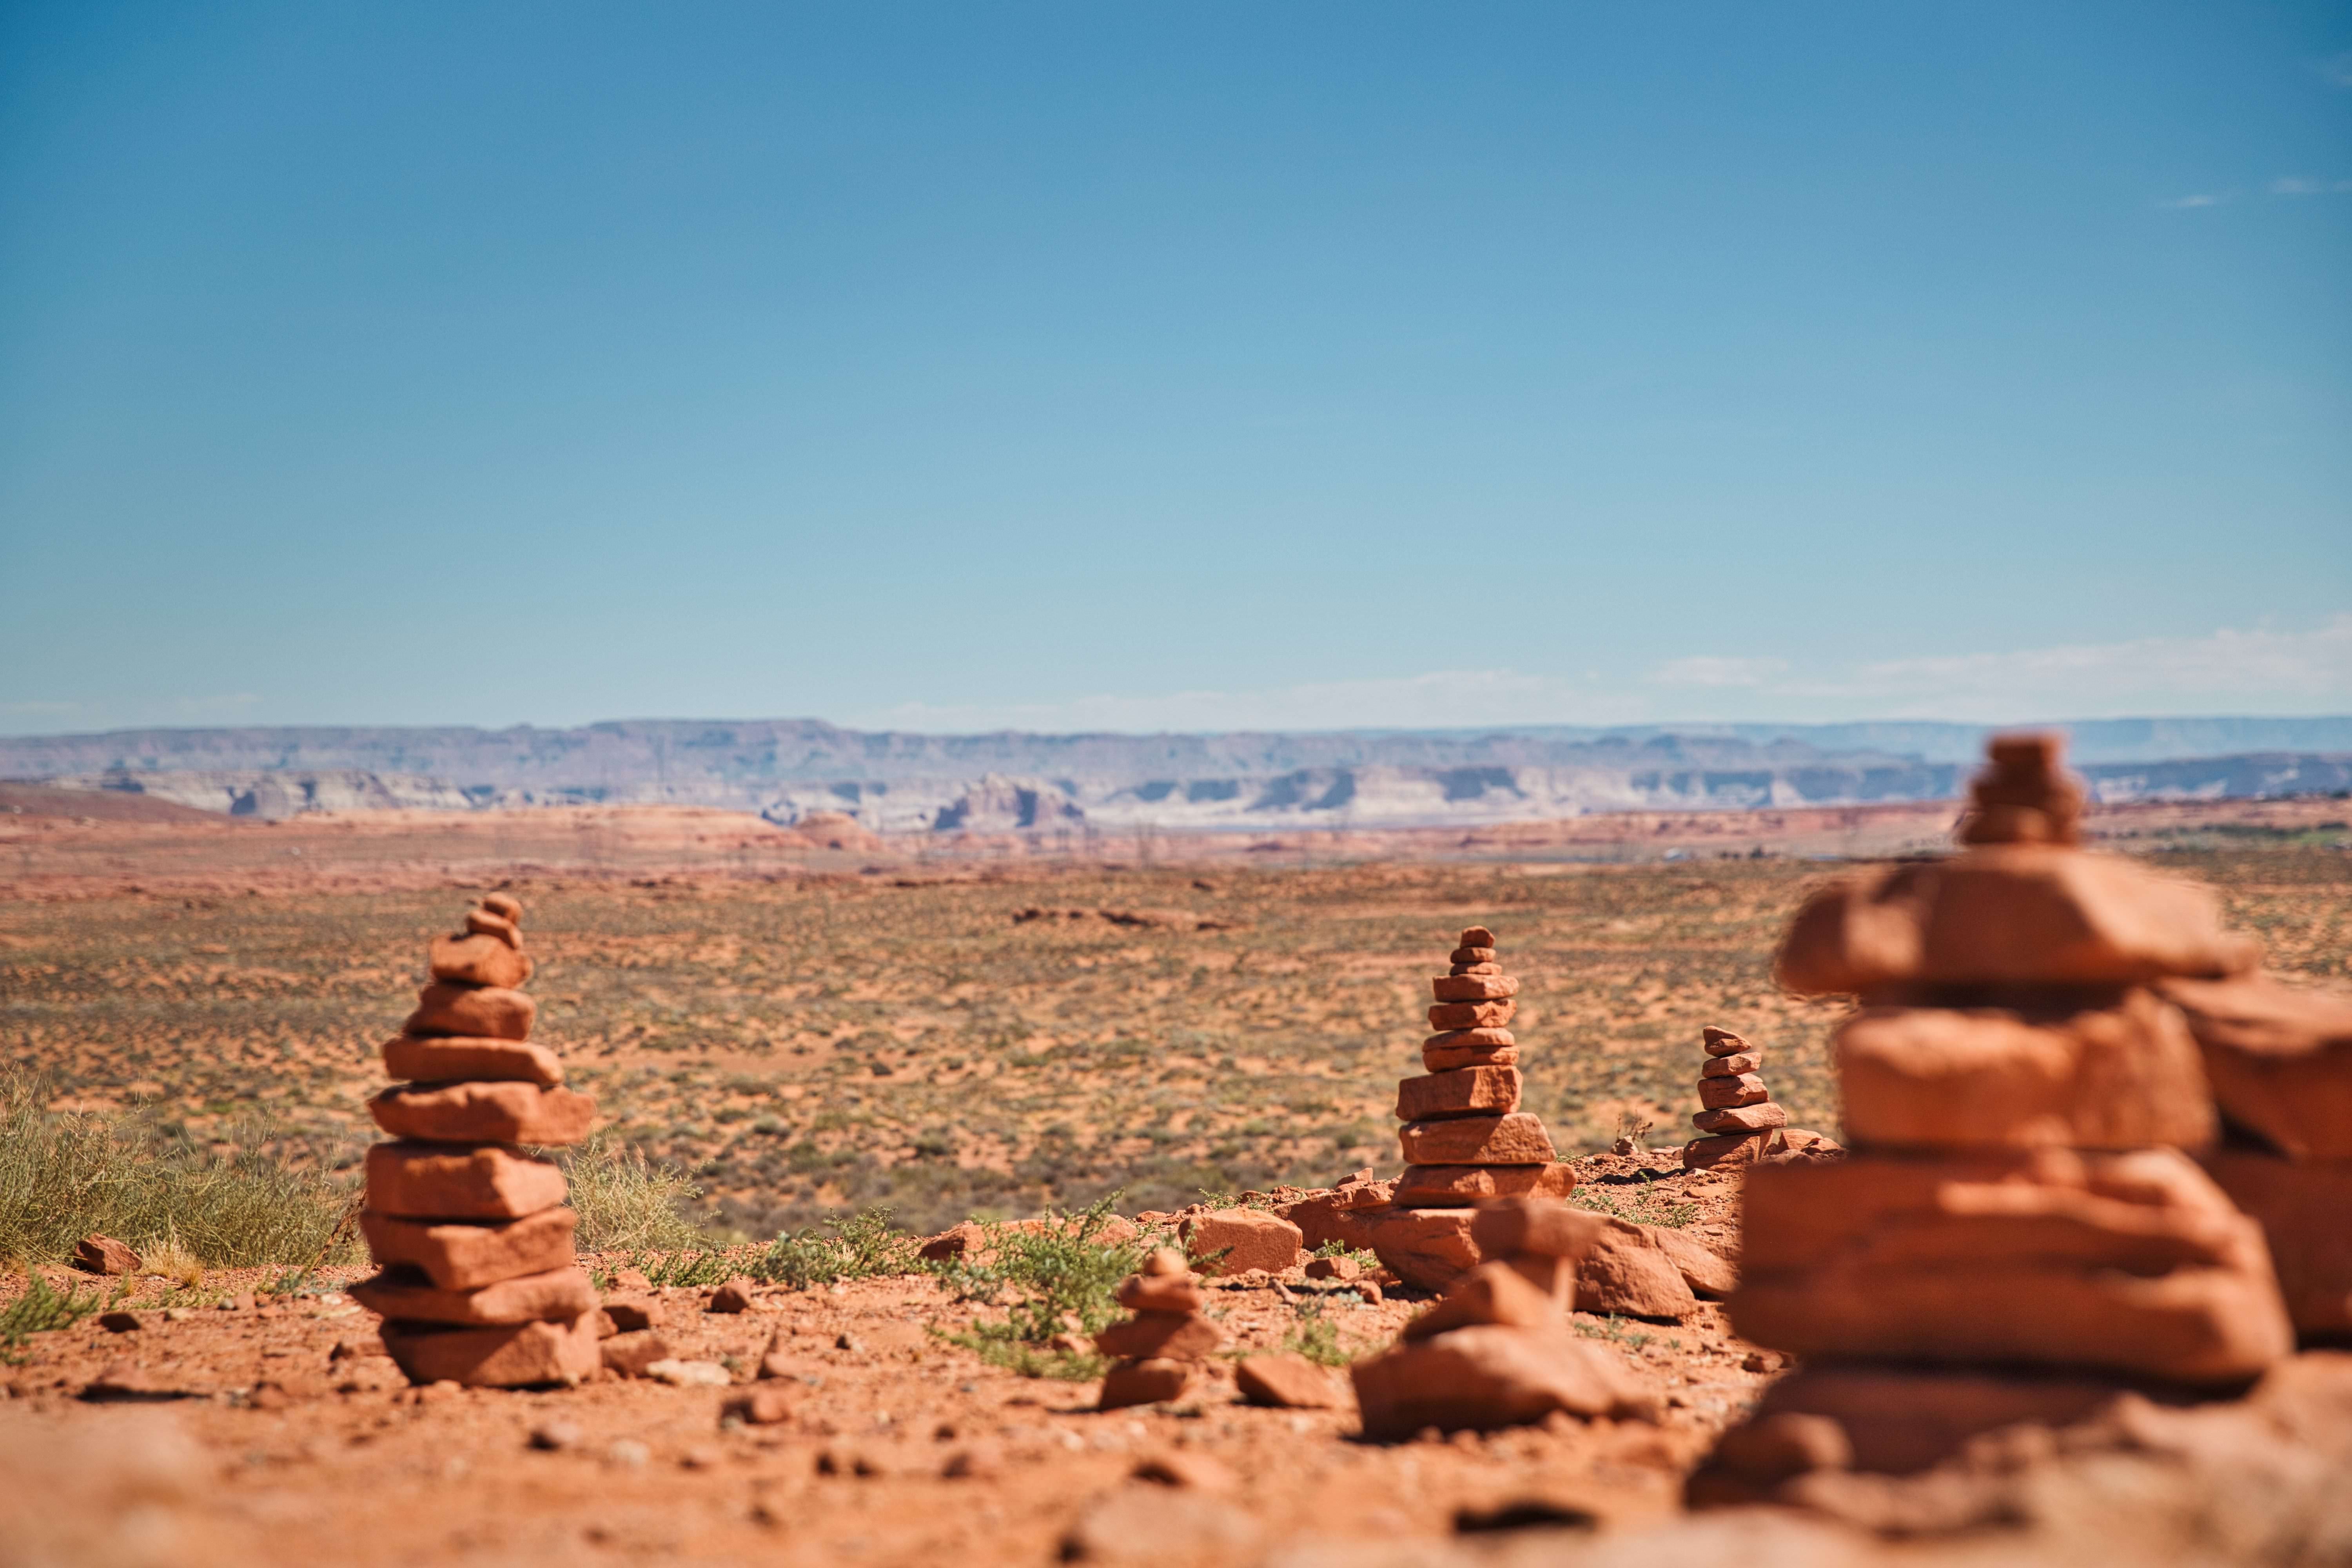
(1285, 1382)
(735, 1296)
(689, 1373)
(104, 1255)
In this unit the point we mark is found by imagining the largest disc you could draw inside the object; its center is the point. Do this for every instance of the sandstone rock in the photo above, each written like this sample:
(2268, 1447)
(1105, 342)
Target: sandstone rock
(1473, 987)
(1162, 1293)
(1428, 1248)
(1461, 955)
(509, 1113)
(1174, 1336)
(1730, 1149)
(2279, 1057)
(632, 1351)
(1486, 1377)
(1284, 1382)
(2305, 1213)
(1626, 1271)
(1450, 1187)
(2122, 1076)
(1475, 968)
(1341, 1269)
(965, 1241)
(2014, 914)
(1529, 1225)
(1741, 1119)
(679, 1373)
(1320, 1215)
(1475, 936)
(1186, 1470)
(630, 1312)
(1248, 1239)
(1518, 1139)
(1449, 1016)
(1707, 1272)
(1160, 1526)
(1732, 1067)
(489, 1012)
(508, 1356)
(445, 1058)
(504, 905)
(407, 1292)
(1482, 1039)
(460, 1256)
(104, 1255)
(1490, 1293)
(478, 961)
(2134, 1263)
(442, 1181)
(121, 1323)
(1471, 1091)
(765, 1404)
(482, 922)
(733, 1297)
(1722, 1093)
(1449, 1059)
(1144, 1382)
(1722, 1042)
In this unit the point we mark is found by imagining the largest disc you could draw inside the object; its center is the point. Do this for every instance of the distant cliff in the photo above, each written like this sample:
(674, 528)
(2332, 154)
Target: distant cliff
(1015, 782)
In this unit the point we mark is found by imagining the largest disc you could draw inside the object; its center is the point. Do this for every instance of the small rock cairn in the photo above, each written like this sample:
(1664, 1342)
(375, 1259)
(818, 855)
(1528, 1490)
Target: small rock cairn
(1466, 1139)
(1158, 1349)
(2018, 1236)
(478, 1283)
(1496, 1350)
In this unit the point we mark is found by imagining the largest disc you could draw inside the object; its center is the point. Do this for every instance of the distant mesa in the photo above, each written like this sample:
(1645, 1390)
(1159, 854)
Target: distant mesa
(804, 772)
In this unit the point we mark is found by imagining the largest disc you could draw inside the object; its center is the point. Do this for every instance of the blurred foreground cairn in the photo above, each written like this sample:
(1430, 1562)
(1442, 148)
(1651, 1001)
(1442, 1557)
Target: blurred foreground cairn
(2022, 1239)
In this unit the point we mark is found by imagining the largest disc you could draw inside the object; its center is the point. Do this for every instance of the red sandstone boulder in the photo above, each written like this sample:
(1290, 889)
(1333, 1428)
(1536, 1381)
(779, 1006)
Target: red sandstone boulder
(459, 1257)
(491, 1012)
(510, 1356)
(509, 1113)
(1489, 1376)
(478, 960)
(2280, 1058)
(442, 1181)
(2305, 1213)
(1284, 1381)
(104, 1255)
(1248, 1239)
(445, 1058)
(407, 1292)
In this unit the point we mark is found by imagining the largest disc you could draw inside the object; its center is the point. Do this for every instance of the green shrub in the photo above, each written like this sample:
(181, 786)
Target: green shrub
(67, 1175)
(40, 1309)
(626, 1202)
(1051, 1277)
(1316, 1337)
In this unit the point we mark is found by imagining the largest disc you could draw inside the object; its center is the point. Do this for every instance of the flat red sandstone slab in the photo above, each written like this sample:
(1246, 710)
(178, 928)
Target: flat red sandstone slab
(492, 1012)
(1473, 987)
(1518, 1139)
(1741, 1089)
(517, 1355)
(509, 1113)
(478, 960)
(1467, 1092)
(459, 1257)
(1466, 1186)
(559, 1294)
(1741, 1119)
(438, 1059)
(440, 1181)
(1472, 1014)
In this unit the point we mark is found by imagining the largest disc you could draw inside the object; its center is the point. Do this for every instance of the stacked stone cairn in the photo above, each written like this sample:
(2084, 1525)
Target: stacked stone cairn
(478, 1285)
(2017, 1235)
(1736, 1111)
(1157, 1352)
(1466, 1139)
(1496, 1350)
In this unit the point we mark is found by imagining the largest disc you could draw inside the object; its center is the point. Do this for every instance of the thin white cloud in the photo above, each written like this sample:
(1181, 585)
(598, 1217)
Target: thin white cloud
(2204, 199)
(2261, 671)
(1708, 670)
(2297, 186)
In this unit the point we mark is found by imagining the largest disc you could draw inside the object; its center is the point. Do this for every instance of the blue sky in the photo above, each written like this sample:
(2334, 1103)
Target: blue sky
(1102, 365)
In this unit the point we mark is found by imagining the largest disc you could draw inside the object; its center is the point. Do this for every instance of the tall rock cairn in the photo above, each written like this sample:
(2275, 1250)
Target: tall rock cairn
(1466, 1139)
(478, 1283)
(2018, 1235)
(1735, 1110)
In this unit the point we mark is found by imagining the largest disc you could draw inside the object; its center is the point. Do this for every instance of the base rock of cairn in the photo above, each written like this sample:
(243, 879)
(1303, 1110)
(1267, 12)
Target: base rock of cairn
(477, 1282)
(1496, 1350)
(1157, 1351)
(2010, 1240)
(1740, 1123)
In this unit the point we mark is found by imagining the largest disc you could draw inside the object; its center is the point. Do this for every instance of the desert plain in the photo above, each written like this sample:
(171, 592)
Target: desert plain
(795, 1027)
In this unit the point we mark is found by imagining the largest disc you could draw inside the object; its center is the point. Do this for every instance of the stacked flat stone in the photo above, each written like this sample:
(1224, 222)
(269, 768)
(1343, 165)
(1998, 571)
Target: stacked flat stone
(2018, 1095)
(1735, 1110)
(478, 1285)
(1496, 1350)
(1158, 1350)
(1465, 1137)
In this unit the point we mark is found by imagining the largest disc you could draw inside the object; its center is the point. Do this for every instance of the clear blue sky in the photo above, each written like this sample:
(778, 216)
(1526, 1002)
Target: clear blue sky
(1136, 365)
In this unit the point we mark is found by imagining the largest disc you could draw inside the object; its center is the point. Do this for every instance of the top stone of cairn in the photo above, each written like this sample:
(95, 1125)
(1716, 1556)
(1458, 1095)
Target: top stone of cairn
(2020, 905)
